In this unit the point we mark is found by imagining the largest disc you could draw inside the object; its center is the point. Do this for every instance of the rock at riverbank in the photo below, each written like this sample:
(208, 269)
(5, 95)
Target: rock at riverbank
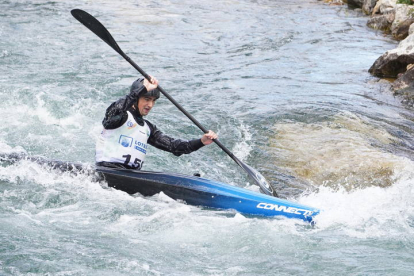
(403, 19)
(368, 6)
(402, 31)
(390, 65)
(382, 22)
(405, 80)
(396, 19)
(355, 3)
(404, 86)
(394, 62)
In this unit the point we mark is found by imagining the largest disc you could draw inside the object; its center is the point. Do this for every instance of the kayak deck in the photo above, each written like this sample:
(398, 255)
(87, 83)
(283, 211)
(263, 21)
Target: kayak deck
(193, 190)
(204, 192)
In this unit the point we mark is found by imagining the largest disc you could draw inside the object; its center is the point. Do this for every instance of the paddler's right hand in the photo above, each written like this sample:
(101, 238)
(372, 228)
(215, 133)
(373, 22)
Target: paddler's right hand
(151, 85)
(208, 137)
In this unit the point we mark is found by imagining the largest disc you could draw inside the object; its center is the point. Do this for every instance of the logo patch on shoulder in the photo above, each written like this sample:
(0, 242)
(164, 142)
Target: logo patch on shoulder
(131, 125)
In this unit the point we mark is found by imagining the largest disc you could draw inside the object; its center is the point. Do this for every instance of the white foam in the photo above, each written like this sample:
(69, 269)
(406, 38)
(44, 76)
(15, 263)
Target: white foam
(6, 149)
(4, 53)
(361, 213)
(242, 149)
(367, 212)
(46, 116)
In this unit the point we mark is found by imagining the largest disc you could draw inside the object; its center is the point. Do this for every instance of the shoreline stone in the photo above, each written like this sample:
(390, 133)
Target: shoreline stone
(397, 20)
(368, 6)
(382, 21)
(394, 62)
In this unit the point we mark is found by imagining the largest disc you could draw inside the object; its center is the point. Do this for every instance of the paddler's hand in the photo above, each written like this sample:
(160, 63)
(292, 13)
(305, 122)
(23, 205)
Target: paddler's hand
(151, 85)
(208, 137)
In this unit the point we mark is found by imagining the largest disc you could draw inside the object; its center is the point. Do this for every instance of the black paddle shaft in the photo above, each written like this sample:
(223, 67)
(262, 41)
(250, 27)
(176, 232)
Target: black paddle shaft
(97, 28)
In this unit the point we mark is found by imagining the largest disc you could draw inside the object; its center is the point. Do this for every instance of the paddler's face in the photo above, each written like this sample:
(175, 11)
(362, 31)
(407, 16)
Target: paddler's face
(145, 104)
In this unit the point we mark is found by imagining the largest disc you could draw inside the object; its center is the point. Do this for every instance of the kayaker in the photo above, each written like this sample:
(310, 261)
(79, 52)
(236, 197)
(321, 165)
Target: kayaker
(124, 140)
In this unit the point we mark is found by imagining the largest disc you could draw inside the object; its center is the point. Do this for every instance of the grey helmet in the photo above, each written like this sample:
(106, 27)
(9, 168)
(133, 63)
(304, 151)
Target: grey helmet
(137, 85)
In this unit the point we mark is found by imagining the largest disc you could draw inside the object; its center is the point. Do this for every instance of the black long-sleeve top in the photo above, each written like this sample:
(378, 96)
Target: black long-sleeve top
(116, 115)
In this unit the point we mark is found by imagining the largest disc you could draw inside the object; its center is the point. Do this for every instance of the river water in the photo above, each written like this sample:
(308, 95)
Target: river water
(284, 84)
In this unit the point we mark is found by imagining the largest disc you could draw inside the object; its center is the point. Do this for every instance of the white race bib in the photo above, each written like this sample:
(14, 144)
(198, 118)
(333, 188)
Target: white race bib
(126, 144)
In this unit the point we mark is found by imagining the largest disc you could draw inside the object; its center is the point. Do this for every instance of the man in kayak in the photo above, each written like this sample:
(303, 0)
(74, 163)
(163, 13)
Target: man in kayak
(126, 134)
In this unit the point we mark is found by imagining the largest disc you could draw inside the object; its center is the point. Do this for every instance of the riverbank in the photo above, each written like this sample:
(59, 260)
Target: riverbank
(396, 18)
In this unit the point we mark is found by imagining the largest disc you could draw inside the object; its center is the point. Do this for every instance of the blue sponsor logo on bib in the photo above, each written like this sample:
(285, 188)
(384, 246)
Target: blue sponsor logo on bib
(125, 141)
(142, 147)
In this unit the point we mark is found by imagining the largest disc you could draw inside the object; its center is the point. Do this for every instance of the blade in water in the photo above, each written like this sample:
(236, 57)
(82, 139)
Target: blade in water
(261, 181)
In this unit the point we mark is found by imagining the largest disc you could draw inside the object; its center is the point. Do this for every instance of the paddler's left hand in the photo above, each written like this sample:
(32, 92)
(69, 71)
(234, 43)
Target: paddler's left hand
(208, 137)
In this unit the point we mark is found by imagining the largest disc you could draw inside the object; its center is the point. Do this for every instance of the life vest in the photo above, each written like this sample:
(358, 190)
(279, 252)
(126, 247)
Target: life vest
(126, 144)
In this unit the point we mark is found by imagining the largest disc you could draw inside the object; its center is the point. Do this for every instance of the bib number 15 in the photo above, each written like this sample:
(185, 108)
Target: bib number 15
(137, 162)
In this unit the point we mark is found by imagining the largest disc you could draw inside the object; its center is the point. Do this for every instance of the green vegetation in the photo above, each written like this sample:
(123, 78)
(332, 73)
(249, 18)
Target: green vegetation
(407, 2)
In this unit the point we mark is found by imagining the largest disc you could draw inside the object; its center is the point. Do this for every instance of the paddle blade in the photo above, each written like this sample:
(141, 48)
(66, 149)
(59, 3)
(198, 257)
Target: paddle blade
(260, 180)
(96, 27)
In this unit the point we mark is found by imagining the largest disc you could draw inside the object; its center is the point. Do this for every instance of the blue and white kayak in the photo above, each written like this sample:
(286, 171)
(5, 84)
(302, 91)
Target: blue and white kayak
(204, 192)
(193, 190)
